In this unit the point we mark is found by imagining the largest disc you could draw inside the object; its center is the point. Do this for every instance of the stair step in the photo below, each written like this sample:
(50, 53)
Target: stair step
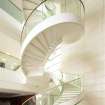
(67, 96)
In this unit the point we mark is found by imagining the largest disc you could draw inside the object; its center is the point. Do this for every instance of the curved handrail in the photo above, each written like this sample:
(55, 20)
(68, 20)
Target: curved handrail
(78, 102)
(45, 94)
(27, 19)
(27, 100)
(82, 4)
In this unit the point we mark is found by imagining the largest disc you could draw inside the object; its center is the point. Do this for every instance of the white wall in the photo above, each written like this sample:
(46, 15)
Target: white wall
(9, 25)
(9, 45)
(88, 55)
(9, 34)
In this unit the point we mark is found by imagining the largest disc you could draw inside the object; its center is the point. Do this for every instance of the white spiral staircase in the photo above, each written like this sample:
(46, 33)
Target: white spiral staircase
(45, 37)
(49, 24)
(40, 42)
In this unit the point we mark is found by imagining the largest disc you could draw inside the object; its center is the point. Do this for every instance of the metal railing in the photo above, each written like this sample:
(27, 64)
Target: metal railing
(47, 8)
(50, 98)
(43, 98)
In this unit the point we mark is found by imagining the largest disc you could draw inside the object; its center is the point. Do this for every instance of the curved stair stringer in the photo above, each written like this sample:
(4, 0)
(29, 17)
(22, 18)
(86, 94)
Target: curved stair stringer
(45, 37)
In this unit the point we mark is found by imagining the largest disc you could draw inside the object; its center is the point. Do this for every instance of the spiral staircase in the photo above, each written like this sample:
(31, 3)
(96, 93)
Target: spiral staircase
(49, 25)
(71, 91)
